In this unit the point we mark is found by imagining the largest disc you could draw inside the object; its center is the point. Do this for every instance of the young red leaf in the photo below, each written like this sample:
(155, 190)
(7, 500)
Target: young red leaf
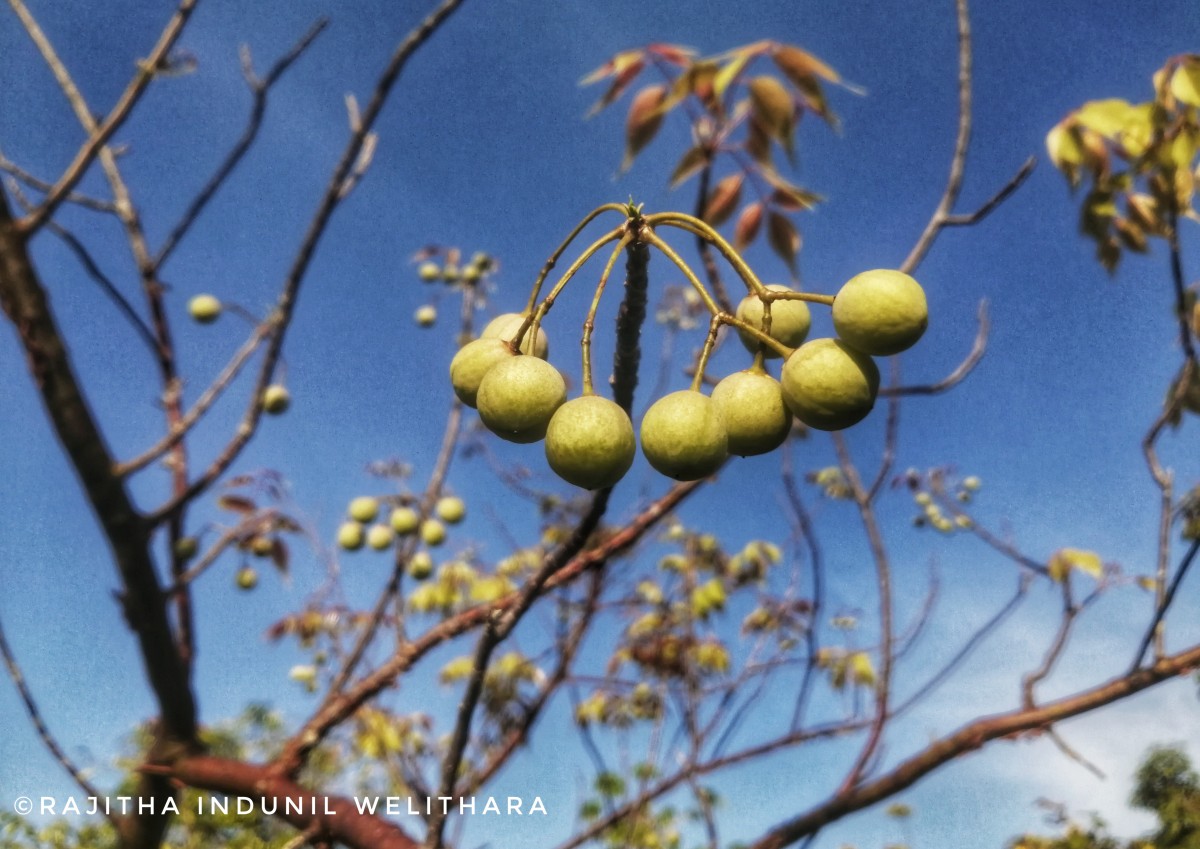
(784, 239)
(747, 226)
(236, 503)
(723, 200)
(622, 82)
(673, 53)
(613, 67)
(758, 143)
(689, 164)
(645, 117)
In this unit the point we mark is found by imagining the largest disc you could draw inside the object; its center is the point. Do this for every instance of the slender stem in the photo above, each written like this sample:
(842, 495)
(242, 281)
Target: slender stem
(558, 252)
(590, 322)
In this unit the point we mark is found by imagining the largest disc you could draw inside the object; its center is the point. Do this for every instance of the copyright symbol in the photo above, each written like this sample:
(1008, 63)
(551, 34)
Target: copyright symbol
(23, 805)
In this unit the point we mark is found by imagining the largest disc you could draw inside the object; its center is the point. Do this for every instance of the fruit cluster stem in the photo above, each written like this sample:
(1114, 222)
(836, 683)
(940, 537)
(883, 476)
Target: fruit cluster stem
(590, 322)
(630, 317)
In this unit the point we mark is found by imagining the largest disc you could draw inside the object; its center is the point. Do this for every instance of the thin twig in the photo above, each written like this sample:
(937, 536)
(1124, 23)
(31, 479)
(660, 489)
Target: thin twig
(1161, 609)
(39, 724)
(85, 201)
(967, 219)
(978, 348)
(260, 89)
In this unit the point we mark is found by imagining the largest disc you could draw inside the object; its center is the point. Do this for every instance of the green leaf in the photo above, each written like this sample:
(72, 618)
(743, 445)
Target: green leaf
(691, 163)
(1066, 559)
(1185, 82)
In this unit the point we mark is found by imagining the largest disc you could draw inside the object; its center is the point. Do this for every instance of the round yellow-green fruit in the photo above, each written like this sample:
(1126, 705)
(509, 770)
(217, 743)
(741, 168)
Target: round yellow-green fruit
(246, 578)
(683, 436)
(425, 316)
(790, 320)
(518, 396)
(433, 532)
(363, 509)
(880, 312)
(429, 271)
(186, 547)
(420, 566)
(756, 418)
(404, 520)
(507, 325)
(472, 362)
(450, 509)
(379, 537)
(350, 536)
(589, 442)
(276, 399)
(204, 308)
(828, 385)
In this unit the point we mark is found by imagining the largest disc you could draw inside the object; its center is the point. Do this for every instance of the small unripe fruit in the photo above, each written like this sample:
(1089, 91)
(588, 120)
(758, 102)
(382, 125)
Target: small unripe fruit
(404, 520)
(471, 274)
(262, 546)
(363, 509)
(589, 442)
(450, 273)
(971, 483)
(276, 399)
(204, 308)
(246, 578)
(379, 537)
(751, 405)
(683, 436)
(829, 385)
(433, 532)
(450, 509)
(790, 321)
(472, 362)
(350, 536)
(186, 547)
(429, 271)
(506, 327)
(880, 312)
(425, 316)
(420, 566)
(518, 396)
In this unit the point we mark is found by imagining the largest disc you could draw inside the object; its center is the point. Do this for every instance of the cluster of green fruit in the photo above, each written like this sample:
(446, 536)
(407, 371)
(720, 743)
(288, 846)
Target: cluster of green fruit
(364, 526)
(206, 309)
(452, 274)
(828, 384)
(934, 516)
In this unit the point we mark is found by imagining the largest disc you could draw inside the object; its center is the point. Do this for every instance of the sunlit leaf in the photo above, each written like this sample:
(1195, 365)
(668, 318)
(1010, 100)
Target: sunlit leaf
(691, 163)
(643, 121)
(799, 64)
(1106, 117)
(673, 53)
(861, 669)
(748, 224)
(1185, 82)
(784, 239)
(774, 108)
(614, 66)
(723, 199)
(729, 73)
(1066, 559)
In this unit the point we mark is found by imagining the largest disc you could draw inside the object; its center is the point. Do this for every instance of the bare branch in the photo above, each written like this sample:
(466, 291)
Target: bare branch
(260, 90)
(147, 70)
(85, 201)
(1162, 607)
(965, 220)
(978, 348)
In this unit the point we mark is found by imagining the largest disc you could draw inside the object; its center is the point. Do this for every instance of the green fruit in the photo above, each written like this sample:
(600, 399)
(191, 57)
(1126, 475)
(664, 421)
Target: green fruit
(404, 520)
(829, 385)
(350, 536)
(751, 405)
(186, 547)
(790, 321)
(420, 566)
(429, 271)
(881, 312)
(363, 509)
(204, 308)
(450, 273)
(379, 537)
(589, 442)
(425, 316)
(246, 578)
(506, 327)
(683, 436)
(433, 532)
(518, 396)
(450, 509)
(275, 399)
(472, 362)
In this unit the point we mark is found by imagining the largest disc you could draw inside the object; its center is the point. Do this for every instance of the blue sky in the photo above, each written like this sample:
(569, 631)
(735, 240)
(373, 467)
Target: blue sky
(483, 146)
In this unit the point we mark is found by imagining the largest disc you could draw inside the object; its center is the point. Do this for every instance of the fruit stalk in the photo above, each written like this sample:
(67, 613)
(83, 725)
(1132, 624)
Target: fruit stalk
(590, 322)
